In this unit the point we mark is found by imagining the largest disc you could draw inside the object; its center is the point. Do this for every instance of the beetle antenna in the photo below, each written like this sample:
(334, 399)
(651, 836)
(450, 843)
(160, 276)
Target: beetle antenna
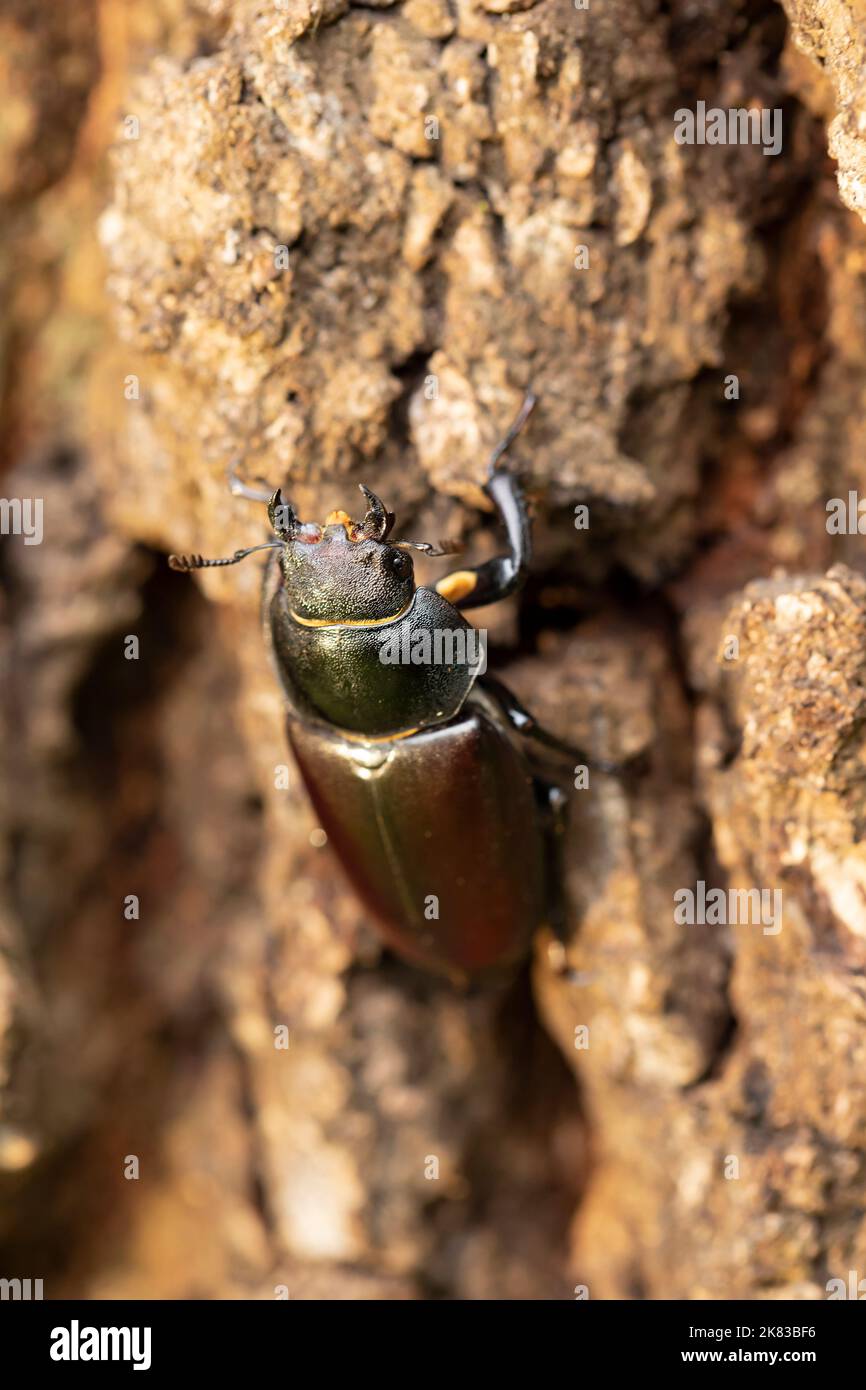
(428, 548)
(184, 563)
(520, 419)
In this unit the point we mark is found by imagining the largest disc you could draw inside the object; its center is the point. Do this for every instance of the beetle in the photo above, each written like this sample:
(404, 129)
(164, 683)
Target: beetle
(443, 798)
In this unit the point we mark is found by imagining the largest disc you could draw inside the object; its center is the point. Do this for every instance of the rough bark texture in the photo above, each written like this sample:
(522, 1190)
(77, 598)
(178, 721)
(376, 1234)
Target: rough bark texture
(433, 170)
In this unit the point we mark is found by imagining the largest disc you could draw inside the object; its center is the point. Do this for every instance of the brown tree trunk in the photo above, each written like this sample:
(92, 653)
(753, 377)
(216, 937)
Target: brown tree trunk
(335, 243)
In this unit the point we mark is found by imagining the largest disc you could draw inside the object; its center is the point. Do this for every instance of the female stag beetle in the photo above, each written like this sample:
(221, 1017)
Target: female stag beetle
(439, 792)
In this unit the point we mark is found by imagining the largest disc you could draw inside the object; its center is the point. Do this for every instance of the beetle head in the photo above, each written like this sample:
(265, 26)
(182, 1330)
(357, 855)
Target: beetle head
(343, 571)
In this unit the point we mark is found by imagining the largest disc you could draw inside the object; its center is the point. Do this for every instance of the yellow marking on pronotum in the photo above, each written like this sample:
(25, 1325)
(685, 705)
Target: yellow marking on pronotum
(378, 738)
(457, 586)
(350, 622)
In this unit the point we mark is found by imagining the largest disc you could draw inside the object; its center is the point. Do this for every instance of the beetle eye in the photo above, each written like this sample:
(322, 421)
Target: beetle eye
(397, 563)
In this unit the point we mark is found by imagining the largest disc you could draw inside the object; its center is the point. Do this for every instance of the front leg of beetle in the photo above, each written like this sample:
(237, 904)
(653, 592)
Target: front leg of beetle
(499, 577)
(542, 746)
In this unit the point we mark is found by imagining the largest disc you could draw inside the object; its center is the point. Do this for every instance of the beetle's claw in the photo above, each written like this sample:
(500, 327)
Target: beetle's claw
(378, 520)
(282, 516)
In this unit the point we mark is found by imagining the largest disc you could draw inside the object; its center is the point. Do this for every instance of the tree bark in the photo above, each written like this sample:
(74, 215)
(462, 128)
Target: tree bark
(336, 243)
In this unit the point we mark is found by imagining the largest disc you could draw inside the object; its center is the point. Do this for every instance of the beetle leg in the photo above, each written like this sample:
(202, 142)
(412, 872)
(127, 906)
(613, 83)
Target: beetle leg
(238, 488)
(496, 578)
(553, 809)
(528, 727)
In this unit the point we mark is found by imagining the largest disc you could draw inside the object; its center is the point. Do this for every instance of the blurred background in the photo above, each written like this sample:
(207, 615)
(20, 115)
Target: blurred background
(335, 243)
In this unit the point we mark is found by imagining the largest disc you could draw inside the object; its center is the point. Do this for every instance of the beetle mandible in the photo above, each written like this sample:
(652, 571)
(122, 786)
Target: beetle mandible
(442, 796)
